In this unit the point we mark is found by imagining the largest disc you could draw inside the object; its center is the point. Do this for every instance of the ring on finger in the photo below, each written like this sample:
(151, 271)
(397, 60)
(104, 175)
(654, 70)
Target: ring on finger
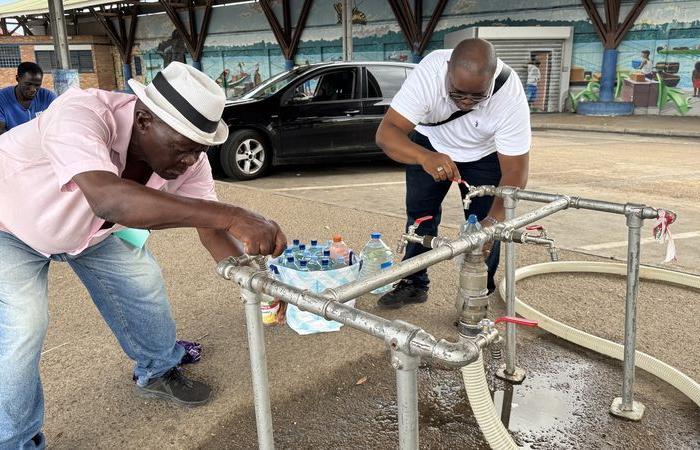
(440, 168)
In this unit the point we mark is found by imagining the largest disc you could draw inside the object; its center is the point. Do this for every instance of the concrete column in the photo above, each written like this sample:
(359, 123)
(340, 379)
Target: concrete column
(347, 30)
(609, 75)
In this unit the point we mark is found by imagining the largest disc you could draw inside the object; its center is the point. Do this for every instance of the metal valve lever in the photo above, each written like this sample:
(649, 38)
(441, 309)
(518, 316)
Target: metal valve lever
(403, 241)
(517, 321)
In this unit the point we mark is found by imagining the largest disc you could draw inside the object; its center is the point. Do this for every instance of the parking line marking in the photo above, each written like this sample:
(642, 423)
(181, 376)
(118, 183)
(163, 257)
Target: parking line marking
(336, 186)
(607, 245)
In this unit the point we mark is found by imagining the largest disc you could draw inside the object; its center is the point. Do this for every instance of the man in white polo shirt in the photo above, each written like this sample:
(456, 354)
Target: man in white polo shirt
(467, 117)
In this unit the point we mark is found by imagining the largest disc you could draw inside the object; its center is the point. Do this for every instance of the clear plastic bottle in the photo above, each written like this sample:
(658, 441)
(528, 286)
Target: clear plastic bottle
(325, 264)
(376, 256)
(300, 253)
(302, 265)
(339, 249)
(338, 263)
(471, 225)
(282, 259)
(295, 245)
(290, 263)
(314, 250)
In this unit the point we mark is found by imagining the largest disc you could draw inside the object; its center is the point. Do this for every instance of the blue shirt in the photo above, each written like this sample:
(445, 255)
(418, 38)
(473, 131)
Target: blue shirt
(13, 114)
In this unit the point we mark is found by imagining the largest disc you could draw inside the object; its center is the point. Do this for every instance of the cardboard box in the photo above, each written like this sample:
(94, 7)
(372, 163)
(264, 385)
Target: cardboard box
(637, 76)
(577, 74)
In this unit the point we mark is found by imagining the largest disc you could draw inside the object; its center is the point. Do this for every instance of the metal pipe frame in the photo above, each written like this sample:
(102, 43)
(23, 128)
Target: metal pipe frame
(406, 367)
(625, 406)
(510, 372)
(258, 368)
(442, 249)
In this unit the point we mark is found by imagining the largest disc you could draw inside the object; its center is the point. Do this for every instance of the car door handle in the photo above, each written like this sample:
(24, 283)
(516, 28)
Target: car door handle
(351, 112)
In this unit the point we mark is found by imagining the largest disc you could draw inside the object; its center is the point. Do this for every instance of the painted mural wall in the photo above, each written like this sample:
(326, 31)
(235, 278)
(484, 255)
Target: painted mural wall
(241, 50)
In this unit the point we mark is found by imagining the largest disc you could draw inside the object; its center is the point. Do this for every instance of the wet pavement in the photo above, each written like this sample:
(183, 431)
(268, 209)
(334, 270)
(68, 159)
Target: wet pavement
(563, 403)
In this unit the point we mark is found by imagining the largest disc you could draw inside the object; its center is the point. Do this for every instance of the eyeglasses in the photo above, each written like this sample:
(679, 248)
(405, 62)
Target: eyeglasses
(459, 96)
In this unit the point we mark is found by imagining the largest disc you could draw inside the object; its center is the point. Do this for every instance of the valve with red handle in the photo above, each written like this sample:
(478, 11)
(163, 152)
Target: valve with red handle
(488, 325)
(517, 321)
(403, 241)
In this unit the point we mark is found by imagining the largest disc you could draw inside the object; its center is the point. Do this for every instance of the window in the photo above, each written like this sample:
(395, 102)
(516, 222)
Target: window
(79, 59)
(137, 65)
(329, 86)
(384, 81)
(9, 56)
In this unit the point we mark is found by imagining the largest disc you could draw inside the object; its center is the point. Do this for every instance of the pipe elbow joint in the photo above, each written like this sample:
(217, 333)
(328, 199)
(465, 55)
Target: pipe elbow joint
(455, 354)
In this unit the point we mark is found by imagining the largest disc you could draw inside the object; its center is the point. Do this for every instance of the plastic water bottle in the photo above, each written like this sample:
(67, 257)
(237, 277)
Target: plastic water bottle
(325, 264)
(376, 256)
(295, 245)
(338, 263)
(314, 250)
(282, 259)
(290, 263)
(301, 252)
(339, 249)
(471, 225)
(302, 265)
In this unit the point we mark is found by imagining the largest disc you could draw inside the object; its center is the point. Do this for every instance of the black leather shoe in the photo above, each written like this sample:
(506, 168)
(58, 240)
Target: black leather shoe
(404, 292)
(174, 385)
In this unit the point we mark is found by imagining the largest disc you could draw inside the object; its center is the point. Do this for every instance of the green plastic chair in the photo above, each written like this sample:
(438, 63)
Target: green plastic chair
(675, 95)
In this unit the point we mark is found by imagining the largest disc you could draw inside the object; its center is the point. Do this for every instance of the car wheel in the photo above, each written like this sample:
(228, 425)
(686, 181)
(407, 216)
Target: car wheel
(245, 155)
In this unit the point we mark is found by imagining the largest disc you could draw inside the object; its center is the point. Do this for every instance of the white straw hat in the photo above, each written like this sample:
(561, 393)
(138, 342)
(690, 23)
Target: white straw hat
(187, 100)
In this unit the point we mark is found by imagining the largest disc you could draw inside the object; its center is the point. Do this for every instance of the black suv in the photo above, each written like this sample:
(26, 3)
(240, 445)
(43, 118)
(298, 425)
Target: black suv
(311, 113)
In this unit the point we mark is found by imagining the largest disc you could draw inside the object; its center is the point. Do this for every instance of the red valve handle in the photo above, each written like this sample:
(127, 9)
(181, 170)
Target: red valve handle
(534, 228)
(517, 320)
(420, 220)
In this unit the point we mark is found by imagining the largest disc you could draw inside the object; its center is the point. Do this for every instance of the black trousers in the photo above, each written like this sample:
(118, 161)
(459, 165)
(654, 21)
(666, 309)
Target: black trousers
(424, 197)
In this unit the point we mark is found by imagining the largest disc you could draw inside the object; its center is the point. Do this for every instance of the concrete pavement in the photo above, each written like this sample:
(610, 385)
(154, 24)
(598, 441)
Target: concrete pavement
(316, 401)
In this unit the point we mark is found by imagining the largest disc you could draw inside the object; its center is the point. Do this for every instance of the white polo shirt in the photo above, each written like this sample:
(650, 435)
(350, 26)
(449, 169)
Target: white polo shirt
(501, 123)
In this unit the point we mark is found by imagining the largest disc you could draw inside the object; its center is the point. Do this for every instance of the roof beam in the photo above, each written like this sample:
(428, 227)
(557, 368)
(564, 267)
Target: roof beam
(629, 21)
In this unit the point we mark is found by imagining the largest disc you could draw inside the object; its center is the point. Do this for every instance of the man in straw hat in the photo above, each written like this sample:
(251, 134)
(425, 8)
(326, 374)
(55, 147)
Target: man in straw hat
(94, 163)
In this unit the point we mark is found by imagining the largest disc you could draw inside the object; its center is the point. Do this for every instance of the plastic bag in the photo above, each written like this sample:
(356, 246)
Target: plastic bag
(304, 322)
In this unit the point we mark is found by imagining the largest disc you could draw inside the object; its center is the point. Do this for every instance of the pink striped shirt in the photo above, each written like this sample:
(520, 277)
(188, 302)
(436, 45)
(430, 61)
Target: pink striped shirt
(82, 131)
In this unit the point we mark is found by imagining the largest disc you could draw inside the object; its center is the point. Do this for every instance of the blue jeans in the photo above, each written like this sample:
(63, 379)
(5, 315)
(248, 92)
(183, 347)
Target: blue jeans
(424, 197)
(125, 284)
(531, 92)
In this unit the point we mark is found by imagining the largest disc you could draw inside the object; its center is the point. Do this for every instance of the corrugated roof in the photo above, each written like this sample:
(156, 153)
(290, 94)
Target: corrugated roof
(31, 7)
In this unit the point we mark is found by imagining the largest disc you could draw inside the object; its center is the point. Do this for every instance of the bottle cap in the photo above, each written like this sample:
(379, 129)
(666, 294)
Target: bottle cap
(325, 262)
(337, 238)
(295, 242)
(385, 264)
(303, 263)
(302, 246)
(290, 259)
(327, 253)
(288, 251)
(472, 219)
(376, 235)
(314, 242)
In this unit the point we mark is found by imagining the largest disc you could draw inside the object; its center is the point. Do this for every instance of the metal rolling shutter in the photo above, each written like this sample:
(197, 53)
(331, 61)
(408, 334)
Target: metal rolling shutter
(516, 53)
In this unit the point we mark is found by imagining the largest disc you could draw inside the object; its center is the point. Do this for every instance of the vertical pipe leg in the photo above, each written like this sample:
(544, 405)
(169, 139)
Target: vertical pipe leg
(258, 368)
(407, 398)
(625, 406)
(510, 372)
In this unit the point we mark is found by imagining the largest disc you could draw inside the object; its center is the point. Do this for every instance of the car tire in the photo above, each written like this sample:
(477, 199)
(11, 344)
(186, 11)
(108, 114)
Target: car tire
(246, 155)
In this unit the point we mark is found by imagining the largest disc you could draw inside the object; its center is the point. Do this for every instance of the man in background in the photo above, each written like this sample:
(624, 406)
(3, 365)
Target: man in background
(533, 77)
(26, 100)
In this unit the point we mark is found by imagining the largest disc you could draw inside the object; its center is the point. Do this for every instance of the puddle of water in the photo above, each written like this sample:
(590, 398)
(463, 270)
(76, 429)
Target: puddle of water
(545, 403)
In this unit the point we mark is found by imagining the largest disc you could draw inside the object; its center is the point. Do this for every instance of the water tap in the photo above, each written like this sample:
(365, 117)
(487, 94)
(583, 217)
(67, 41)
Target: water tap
(536, 234)
(411, 233)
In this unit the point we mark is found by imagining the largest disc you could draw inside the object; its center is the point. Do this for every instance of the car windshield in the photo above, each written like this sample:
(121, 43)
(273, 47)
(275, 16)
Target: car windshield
(271, 85)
